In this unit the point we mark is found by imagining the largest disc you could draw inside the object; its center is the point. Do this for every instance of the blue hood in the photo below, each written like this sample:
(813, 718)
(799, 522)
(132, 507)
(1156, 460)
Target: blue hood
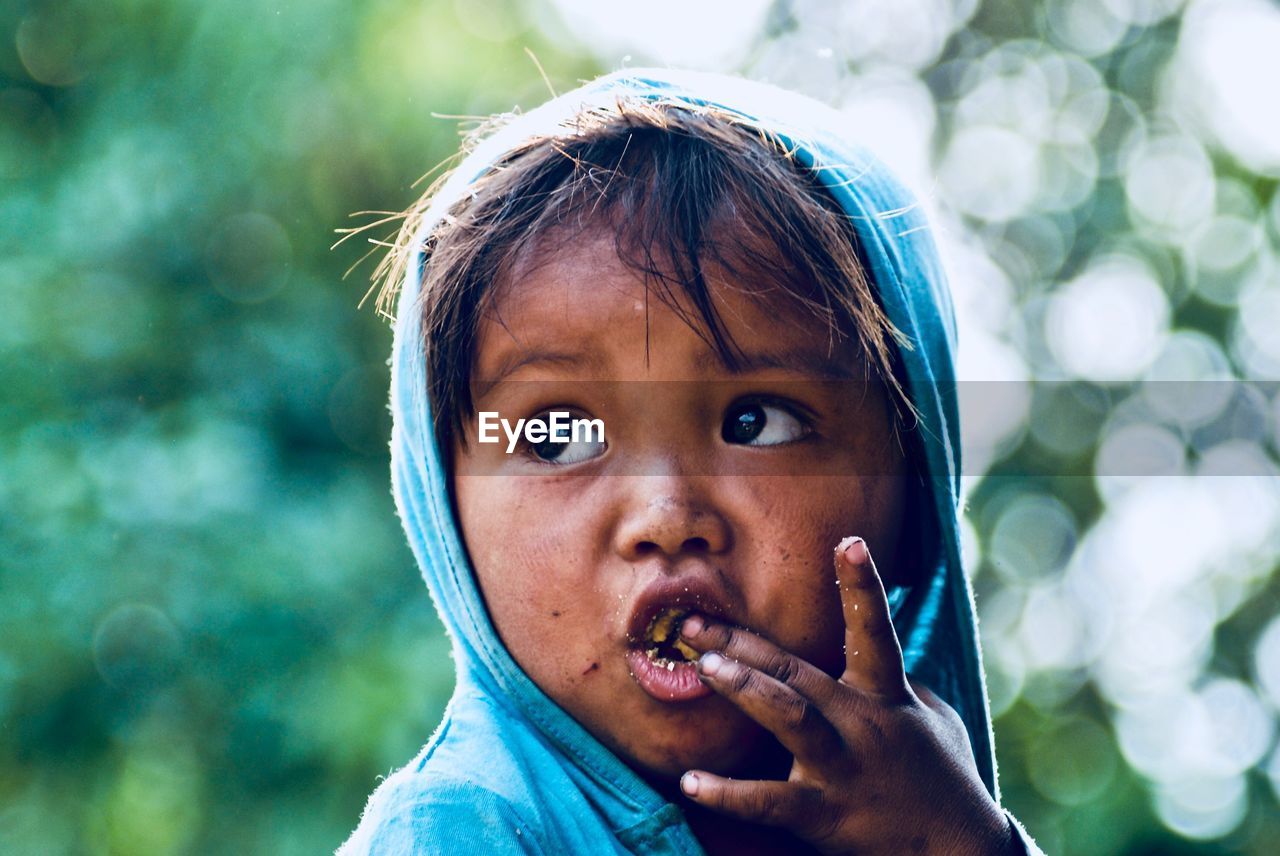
(935, 621)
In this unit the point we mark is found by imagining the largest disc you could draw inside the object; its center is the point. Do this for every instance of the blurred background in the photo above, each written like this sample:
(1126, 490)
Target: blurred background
(213, 638)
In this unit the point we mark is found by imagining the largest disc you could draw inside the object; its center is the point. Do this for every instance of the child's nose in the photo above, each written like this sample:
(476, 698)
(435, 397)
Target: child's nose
(669, 521)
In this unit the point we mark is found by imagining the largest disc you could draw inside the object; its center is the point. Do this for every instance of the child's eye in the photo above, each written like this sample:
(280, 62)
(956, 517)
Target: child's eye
(756, 423)
(563, 449)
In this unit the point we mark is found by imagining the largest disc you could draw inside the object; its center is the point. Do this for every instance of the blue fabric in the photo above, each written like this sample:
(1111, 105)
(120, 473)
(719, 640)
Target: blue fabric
(510, 772)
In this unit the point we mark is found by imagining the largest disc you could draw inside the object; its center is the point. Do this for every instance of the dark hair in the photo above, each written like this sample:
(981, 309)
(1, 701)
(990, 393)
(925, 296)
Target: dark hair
(683, 187)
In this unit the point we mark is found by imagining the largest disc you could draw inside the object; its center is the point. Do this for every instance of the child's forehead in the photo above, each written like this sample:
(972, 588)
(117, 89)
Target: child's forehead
(742, 272)
(573, 296)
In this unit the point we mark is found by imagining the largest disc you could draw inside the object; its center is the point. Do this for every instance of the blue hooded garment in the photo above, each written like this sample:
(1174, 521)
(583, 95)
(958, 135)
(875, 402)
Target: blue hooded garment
(508, 771)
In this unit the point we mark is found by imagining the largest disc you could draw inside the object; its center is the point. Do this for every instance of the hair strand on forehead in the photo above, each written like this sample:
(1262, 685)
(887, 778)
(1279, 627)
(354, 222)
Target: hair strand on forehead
(687, 189)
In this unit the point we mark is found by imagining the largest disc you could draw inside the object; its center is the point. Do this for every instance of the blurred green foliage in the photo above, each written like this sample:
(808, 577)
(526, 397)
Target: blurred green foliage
(212, 637)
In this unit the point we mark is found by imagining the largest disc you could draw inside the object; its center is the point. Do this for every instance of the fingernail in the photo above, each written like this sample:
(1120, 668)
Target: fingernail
(854, 549)
(689, 784)
(710, 663)
(692, 626)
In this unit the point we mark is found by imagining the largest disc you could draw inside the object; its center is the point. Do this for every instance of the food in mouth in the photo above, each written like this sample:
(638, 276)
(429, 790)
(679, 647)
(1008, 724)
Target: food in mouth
(662, 664)
(665, 647)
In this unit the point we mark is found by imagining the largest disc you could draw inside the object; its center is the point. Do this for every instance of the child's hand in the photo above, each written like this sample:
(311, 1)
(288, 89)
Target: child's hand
(880, 766)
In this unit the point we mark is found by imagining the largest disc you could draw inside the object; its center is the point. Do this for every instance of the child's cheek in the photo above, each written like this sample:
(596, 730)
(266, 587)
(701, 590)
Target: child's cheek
(533, 557)
(795, 523)
(806, 607)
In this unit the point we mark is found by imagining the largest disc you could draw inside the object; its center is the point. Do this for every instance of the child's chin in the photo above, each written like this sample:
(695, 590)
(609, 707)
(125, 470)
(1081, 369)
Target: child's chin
(727, 749)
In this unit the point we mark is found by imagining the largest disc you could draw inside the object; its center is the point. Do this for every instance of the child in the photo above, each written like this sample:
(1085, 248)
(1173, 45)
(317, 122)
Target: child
(654, 653)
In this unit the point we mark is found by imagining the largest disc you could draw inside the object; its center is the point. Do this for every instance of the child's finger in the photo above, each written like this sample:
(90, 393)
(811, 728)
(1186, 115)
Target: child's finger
(792, 718)
(873, 658)
(737, 643)
(783, 804)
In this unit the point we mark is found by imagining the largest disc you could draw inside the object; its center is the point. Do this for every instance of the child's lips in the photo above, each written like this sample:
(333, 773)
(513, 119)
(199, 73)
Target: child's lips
(661, 663)
(672, 682)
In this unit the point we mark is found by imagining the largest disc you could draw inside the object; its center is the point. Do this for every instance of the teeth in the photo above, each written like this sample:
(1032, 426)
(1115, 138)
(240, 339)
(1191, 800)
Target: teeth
(660, 661)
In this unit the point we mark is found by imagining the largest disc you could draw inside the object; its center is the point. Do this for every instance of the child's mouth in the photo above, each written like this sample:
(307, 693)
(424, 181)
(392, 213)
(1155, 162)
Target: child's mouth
(662, 664)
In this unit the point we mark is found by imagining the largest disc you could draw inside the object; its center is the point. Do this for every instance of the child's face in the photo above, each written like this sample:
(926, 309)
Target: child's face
(690, 503)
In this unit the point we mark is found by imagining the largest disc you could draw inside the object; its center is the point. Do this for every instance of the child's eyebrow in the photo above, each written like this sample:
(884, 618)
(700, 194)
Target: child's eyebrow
(799, 360)
(550, 359)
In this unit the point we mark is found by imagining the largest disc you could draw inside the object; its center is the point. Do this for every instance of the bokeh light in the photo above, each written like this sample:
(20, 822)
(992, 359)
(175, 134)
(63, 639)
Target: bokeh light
(1226, 60)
